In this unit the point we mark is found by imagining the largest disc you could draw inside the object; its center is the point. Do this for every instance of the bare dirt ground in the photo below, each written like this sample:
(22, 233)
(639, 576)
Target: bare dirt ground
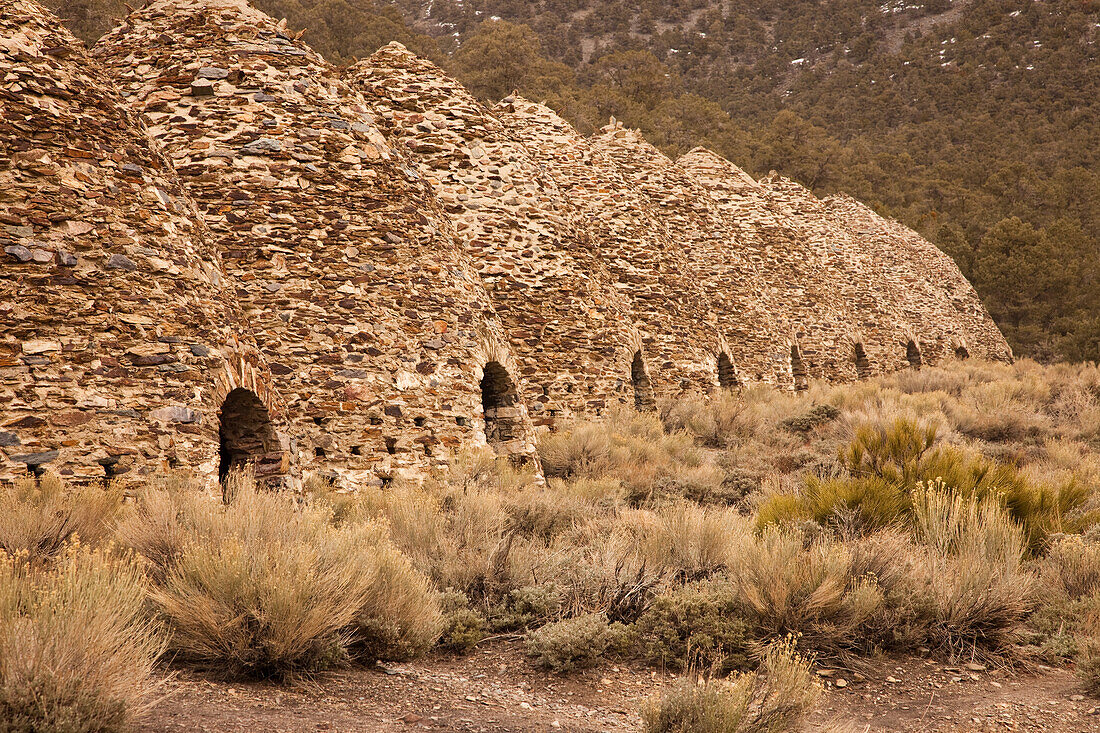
(497, 689)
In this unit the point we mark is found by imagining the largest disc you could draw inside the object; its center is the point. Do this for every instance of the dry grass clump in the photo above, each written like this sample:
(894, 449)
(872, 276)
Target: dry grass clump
(38, 518)
(76, 649)
(775, 699)
(263, 586)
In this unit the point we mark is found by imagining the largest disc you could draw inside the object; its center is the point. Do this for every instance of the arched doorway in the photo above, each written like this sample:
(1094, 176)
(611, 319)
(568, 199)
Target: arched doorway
(644, 401)
(863, 364)
(500, 404)
(798, 369)
(727, 375)
(245, 433)
(912, 354)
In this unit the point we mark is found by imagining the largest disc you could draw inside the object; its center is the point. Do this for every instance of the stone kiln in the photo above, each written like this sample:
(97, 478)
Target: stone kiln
(378, 332)
(568, 328)
(233, 254)
(648, 265)
(120, 340)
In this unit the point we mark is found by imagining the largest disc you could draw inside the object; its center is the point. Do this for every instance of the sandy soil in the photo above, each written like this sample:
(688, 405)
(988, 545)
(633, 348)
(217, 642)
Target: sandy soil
(496, 689)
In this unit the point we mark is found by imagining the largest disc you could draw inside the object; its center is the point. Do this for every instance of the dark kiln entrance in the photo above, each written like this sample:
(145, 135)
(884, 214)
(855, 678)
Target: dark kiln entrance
(500, 402)
(644, 401)
(727, 375)
(246, 434)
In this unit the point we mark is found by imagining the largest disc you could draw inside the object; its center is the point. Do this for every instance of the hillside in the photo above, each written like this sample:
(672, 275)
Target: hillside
(977, 122)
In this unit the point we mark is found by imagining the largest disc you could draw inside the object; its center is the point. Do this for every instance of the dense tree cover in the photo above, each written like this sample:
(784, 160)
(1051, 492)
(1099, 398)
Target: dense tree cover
(977, 122)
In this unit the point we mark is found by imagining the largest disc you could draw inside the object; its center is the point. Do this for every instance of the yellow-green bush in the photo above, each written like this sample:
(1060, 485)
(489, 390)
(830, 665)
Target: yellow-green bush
(76, 647)
(698, 626)
(575, 643)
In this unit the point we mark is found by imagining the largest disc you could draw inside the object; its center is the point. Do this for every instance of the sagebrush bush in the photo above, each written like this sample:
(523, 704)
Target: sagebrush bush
(1088, 664)
(575, 643)
(399, 617)
(783, 586)
(776, 699)
(462, 627)
(264, 586)
(76, 647)
(38, 517)
(698, 626)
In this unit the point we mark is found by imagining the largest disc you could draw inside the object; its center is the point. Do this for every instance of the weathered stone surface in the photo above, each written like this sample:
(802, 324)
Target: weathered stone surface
(568, 327)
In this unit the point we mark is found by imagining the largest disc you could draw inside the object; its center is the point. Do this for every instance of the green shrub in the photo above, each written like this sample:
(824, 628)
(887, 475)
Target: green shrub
(264, 586)
(528, 606)
(862, 504)
(39, 517)
(698, 626)
(777, 699)
(463, 627)
(575, 643)
(76, 648)
(811, 419)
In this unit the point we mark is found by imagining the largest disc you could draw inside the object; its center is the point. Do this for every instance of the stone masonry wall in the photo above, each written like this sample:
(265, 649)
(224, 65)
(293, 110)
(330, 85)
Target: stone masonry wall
(216, 249)
(376, 327)
(569, 329)
(119, 337)
(649, 266)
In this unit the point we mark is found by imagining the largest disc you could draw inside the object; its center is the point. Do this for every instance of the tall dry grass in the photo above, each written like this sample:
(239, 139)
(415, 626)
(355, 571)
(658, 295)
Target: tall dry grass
(39, 517)
(266, 586)
(76, 647)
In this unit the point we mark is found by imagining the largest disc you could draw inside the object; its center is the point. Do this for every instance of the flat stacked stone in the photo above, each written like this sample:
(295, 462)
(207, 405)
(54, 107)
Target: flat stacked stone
(646, 263)
(568, 327)
(120, 338)
(376, 327)
(966, 322)
(751, 313)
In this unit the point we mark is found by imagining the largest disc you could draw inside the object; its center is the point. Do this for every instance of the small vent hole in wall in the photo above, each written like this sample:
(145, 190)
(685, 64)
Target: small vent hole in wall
(357, 450)
(419, 421)
(962, 353)
(319, 452)
(459, 420)
(391, 445)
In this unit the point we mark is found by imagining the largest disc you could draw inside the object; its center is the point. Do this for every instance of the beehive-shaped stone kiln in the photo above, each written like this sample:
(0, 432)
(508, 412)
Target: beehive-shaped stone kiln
(648, 265)
(760, 334)
(379, 334)
(568, 327)
(120, 340)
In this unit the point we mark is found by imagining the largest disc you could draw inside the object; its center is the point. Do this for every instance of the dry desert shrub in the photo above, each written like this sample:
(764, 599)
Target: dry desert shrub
(575, 643)
(76, 648)
(776, 699)
(265, 586)
(38, 518)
